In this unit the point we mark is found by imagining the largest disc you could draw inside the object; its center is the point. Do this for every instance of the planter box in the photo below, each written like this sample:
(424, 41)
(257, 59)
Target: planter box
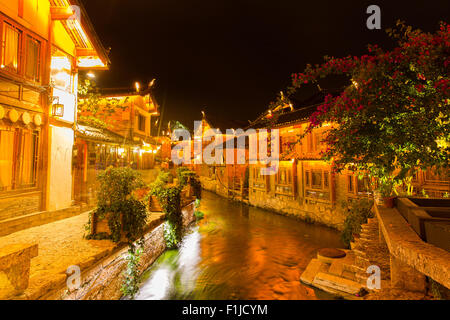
(101, 226)
(154, 205)
(187, 195)
(429, 218)
(438, 234)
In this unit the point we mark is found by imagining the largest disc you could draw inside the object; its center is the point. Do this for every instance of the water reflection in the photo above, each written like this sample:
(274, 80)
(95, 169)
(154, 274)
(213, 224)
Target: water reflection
(238, 252)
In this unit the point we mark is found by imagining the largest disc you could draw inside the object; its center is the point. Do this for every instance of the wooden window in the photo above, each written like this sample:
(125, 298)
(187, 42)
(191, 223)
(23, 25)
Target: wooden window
(317, 184)
(351, 188)
(141, 122)
(357, 186)
(259, 180)
(19, 153)
(363, 185)
(433, 176)
(287, 144)
(11, 48)
(317, 141)
(33, 61)
(316, 179)
(285, 181)
(307, 179)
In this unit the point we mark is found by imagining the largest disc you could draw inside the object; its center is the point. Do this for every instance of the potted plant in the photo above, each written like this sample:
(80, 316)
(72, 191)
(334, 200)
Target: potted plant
(157, 188)
(387, 190)
(119, 216)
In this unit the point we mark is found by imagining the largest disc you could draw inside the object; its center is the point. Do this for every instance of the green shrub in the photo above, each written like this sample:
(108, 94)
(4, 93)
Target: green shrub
(186, 176)
(117, 204)
(170, 235)
(132, 280)
(169, 198)
(357, 214)
(198, 215)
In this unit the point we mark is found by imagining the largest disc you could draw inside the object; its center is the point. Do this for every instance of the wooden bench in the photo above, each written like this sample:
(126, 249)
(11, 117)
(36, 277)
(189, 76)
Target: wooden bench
(15, 268)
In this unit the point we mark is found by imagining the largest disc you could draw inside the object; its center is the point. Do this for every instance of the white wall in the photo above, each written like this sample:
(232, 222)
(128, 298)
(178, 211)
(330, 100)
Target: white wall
(60, 168)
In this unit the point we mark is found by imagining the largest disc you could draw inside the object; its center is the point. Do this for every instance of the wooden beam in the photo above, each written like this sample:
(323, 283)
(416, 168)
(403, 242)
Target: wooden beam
(61, 13)
(86, 52)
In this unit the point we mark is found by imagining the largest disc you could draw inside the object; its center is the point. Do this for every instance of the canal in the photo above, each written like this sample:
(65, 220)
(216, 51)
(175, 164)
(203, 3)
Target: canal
(238, 252)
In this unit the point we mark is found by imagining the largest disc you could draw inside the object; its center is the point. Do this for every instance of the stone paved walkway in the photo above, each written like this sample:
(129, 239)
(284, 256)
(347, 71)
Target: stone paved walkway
(61, 245)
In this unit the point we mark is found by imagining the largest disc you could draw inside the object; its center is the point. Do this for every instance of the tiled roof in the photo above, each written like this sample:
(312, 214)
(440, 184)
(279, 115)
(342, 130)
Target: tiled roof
(101, 135)
(303, 109)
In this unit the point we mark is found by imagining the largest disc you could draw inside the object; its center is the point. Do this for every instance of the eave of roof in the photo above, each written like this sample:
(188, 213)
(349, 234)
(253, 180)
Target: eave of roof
(101, 135)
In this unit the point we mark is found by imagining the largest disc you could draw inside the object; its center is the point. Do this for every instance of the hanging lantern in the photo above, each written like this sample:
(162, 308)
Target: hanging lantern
(57, 108)
(37, 120)
(26, 118)
(13, 115)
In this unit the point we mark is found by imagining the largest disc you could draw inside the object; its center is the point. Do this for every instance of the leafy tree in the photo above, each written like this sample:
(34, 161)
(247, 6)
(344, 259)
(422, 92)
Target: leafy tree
(93, 109)
(394, 118)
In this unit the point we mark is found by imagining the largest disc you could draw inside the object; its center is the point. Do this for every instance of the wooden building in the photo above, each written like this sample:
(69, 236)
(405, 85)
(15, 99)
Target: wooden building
(304, 185)
(44, 45)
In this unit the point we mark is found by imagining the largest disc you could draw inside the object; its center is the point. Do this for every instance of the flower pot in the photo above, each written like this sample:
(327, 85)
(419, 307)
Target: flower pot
(154, 204)
(102, 226)
(389, 202)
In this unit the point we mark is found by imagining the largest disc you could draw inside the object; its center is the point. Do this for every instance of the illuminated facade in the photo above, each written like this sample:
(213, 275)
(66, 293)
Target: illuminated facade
(44, 45)
(304, 185)
(129, 140)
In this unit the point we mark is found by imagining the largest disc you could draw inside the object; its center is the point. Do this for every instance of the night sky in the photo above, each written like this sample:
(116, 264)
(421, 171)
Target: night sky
(231, 58)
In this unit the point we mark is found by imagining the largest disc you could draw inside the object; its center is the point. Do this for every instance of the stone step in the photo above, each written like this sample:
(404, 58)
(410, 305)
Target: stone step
(337, 283)
(362, 262)
(358, 269)
(348, 275)
(313, 268)
(336, 268)
(369, 227)
(36, 219)
(365, 237)
(361, 278)
(351, 268)
(359, 252)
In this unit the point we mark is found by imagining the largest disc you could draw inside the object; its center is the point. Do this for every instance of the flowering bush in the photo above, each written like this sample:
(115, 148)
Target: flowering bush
(394, 119)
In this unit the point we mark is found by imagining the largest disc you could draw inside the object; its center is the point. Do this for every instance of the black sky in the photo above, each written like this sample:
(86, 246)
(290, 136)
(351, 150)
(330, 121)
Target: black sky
(230, 58)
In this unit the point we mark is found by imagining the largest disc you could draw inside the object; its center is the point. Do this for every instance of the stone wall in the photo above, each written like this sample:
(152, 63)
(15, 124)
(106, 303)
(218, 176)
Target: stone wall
(318, 212)
(324, 211)
(214, 186)
(16, 206)
(104, 280)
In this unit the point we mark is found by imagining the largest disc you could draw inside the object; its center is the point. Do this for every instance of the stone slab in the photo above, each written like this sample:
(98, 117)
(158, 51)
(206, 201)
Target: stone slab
(337, 283)
(314, 267)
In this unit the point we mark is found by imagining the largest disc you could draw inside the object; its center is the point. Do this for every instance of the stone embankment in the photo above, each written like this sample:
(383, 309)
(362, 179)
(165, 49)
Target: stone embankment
(386, 242)
(101, 262)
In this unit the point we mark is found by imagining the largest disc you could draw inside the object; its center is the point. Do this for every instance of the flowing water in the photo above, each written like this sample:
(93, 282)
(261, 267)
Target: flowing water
(238, 252)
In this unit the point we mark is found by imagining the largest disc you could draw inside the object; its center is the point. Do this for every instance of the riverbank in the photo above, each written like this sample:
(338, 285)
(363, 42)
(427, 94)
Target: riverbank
(347, 278)
(101, 262)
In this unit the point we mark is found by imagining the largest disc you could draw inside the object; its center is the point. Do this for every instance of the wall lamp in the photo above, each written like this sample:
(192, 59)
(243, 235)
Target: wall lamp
(57, 108)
